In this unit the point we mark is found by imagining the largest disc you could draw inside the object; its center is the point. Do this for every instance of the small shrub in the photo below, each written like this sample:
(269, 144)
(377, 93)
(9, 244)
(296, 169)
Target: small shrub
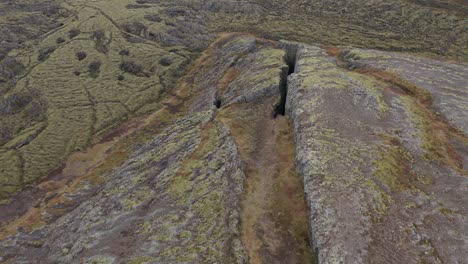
(175, 11)
(165, 61)
(51, 10)
(81, 55)
(120, 77)
(133, 68)
(94, 69)
(153, 18)
(124, 52)
(60, 40)
(101, 41)
(44, 53)
(135, 28)
(73, 33)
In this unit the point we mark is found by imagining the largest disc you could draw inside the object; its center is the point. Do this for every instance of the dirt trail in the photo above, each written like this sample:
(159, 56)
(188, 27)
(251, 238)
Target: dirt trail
(274, 225)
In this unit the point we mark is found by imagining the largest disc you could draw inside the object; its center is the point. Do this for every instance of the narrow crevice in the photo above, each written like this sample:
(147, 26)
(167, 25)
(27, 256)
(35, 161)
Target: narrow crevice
(290, 59)
(274, 220)
(217, 103)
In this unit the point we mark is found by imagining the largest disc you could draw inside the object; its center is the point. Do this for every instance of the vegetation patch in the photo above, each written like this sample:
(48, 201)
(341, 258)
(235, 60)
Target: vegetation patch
(392, 168)
(420, 94)
(14, 103)
(133, 6)
(153, 17)
(124, 52)
(59, 40)
(135, 28)
(94, 69)
(381, 200)
(9, 68)
(44, 53)
(81, 55)
(165, 61)
(229, 76)
(18, 112)
(435, 134)
(73, 33)
(133, 68)
(101, 40)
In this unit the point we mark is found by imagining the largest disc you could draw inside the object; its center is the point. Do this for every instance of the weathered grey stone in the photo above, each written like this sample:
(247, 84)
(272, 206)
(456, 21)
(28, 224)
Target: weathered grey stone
(372, 184)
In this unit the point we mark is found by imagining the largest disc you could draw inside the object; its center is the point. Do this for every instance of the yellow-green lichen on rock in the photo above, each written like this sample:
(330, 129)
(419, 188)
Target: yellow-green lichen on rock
(401, 152)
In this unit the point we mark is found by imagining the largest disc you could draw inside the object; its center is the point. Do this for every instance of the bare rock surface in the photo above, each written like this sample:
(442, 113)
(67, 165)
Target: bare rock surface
(377, 179)
(445, 82)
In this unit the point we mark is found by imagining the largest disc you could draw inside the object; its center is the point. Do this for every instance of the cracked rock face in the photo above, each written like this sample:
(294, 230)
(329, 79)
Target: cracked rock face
(183, 131)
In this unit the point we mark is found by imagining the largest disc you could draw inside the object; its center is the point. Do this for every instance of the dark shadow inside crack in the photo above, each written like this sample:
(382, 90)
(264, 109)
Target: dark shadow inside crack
(290, 59)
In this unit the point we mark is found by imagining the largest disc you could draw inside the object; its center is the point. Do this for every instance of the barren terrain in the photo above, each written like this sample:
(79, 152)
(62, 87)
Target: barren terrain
(230, 131)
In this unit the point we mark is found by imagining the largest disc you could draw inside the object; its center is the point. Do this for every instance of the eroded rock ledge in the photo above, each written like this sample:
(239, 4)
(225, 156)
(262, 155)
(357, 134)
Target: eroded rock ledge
(384, 173)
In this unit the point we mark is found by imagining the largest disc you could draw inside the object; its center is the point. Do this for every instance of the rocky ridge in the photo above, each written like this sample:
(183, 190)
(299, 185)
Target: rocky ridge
(262, 150)
(377, 175)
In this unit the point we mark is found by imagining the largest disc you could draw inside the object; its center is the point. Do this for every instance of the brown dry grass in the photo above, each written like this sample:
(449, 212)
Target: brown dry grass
(436, 133)
(230, 75)
(420, 94)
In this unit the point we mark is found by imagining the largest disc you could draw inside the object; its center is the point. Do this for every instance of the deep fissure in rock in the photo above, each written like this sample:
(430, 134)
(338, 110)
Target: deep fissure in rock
(274, 222)
(217, 103)
(290, 59)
